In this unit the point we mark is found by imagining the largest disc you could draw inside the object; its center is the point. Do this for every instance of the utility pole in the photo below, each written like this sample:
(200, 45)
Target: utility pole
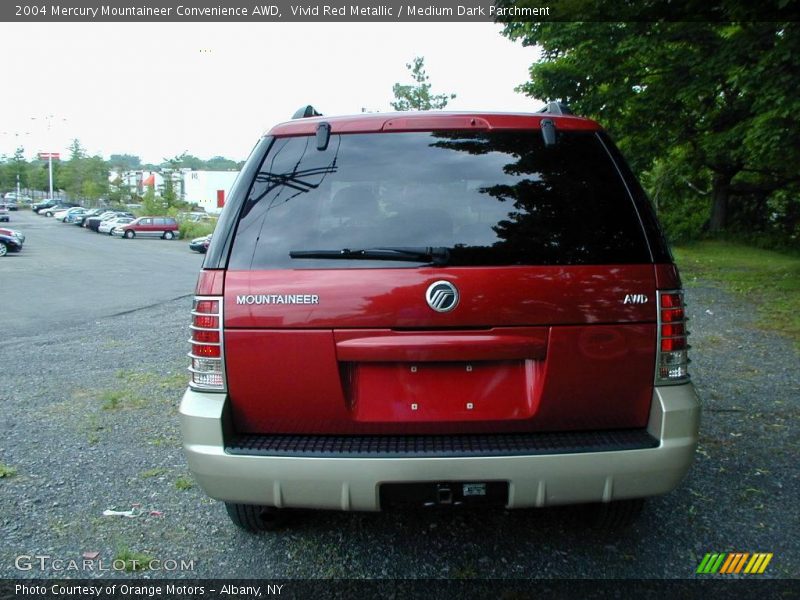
(50, 153)
(50, 171)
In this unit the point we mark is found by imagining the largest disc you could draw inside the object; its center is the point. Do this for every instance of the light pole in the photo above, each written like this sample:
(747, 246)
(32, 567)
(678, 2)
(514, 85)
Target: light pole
(50, 153)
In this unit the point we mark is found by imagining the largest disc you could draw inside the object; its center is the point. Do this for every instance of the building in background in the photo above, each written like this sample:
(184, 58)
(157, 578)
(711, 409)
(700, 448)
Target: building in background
(207, 189)
(138, 181)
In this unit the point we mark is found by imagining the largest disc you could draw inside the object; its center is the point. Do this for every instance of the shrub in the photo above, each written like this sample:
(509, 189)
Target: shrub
(192, 229)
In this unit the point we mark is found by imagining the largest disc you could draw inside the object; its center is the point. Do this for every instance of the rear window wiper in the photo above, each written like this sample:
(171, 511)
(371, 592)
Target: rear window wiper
(437, 256)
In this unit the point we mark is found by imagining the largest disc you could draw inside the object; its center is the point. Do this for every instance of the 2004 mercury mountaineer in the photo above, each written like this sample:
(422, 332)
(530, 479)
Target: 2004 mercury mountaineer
(441, 309)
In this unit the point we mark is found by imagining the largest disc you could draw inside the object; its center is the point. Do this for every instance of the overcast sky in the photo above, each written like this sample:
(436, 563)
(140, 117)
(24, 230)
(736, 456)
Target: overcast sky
(158, 89)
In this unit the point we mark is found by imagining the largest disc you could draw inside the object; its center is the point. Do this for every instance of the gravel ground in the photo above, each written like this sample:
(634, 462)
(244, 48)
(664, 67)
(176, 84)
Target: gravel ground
(90, 424)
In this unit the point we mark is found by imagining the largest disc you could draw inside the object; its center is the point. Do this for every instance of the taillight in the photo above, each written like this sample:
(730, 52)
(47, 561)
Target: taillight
(207, 356)
(672, 358)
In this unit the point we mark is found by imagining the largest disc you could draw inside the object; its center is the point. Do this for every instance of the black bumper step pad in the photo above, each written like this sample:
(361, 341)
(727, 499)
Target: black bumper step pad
(440, 446)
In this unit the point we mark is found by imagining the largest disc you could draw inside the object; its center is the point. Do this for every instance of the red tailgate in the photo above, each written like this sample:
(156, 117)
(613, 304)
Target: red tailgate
(360, 350)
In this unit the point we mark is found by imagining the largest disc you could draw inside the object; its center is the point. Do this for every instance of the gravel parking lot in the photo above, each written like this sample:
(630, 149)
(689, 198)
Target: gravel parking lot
(90, 425)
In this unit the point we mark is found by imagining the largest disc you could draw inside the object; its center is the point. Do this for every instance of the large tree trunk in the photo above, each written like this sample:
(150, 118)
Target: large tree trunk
(720, 196)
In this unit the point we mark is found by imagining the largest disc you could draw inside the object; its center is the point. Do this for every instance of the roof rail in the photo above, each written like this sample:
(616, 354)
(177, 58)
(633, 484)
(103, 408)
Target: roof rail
(306, 111)
(556, 108)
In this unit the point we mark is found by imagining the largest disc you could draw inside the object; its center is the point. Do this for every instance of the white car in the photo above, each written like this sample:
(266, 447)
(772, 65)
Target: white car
(62, 215)
(109, 225)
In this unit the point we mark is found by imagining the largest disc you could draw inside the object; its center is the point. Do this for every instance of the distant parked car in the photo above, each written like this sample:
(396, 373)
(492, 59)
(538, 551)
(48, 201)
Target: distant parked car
(80, 219)
(163, 227)
(9, 243)
(200, 244)
(93, 223)
(12, 233)
(46, 203)
(52, 210)
(4, 213)
(62, 214)
(71, 217)
(107, 226)
(49, 203)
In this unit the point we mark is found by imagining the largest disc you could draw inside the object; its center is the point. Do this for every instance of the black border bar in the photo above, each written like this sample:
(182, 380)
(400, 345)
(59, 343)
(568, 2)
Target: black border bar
(415, 11)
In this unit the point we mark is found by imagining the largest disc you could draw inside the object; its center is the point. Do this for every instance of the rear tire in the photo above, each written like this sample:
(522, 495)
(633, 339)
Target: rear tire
(610, 516)
(129, 235)
(168, 235)
(255, 519)
(3, 249)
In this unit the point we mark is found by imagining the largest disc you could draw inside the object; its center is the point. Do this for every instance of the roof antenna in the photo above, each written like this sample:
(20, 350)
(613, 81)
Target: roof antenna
(556, 108)
(306, 111)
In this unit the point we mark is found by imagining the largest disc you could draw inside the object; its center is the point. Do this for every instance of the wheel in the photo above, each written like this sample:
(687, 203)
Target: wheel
(255, 519)
(48, 214)
(612, 515)
(3, 249)
(168, 235)
(129, 234)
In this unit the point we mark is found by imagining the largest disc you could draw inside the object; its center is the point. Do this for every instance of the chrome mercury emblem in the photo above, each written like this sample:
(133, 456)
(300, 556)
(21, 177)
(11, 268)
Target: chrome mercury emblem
(442, 296)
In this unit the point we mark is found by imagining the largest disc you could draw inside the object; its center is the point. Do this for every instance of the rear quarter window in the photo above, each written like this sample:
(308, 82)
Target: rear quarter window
(491, 198)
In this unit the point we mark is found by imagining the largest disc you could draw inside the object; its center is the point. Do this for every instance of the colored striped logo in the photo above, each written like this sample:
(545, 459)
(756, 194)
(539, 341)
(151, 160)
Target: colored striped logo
(734, 562)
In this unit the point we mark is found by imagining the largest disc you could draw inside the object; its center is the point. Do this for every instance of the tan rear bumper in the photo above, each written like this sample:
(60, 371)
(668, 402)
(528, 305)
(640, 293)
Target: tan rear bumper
(353, 483)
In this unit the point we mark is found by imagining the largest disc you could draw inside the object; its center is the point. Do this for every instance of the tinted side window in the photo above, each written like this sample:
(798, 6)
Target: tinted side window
(159, 222)
(493, 198)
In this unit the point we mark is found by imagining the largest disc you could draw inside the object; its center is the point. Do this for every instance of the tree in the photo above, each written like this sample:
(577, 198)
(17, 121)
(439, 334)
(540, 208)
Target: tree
(220, 163)
(152, 204)
(84, 177)
(17, 169)
(183, 161)
(418, 95)
(39, 174)
(686, 100)
(171, 190)
(124, 162)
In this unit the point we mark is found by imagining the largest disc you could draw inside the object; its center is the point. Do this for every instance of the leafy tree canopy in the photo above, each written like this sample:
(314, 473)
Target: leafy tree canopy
(713, 106)
(418, 96)
(124, 162)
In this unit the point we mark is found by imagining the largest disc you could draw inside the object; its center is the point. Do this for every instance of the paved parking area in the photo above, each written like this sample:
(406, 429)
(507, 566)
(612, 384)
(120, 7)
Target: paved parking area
(66, 274)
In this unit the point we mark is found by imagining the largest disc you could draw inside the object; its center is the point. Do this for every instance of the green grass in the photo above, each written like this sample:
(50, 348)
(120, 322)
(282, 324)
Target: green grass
(112, 399)
(154, 472)
(769, 279)
(6, 471)
(134, 561)
(117, 399)
(190, 229)
(184, 483)
(140, 379)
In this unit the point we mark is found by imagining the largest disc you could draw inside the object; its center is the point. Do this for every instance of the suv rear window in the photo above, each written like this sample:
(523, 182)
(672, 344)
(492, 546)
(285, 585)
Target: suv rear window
(491, 198)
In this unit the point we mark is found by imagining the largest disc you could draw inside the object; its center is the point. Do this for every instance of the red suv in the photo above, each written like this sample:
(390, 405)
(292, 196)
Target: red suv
(161, 227)
(438, 309)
